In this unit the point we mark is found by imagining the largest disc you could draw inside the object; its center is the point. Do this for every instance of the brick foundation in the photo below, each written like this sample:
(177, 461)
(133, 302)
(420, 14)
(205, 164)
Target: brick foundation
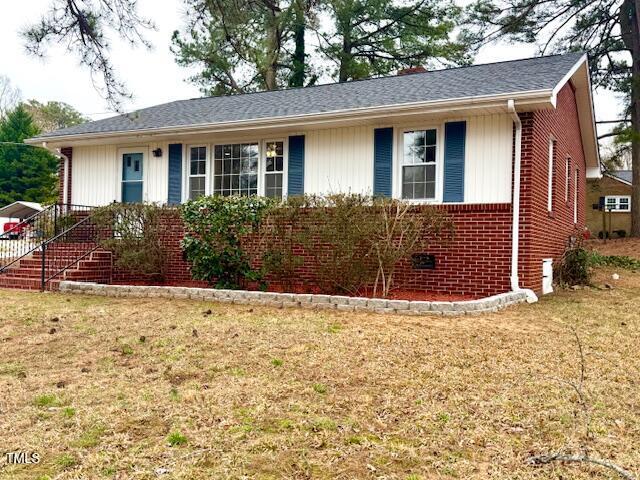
(475, 262)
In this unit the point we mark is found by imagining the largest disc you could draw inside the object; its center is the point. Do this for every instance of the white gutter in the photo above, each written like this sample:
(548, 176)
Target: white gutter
(515, 235)
(58, 153)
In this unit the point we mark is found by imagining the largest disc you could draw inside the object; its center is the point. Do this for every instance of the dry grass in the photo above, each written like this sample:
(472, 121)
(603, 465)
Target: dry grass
(124, 388)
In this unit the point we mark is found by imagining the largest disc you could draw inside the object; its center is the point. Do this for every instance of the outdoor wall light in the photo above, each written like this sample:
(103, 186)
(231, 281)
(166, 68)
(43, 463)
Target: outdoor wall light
(157, 152)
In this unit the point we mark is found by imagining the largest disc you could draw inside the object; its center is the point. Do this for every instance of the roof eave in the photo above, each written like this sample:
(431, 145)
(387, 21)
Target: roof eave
(524, 101)
(580, 77)
(613, 177)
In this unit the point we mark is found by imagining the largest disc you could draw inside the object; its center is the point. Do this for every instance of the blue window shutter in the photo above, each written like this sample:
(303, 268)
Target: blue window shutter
(296, 165)
(382, 161)
(175, 173)
(454, 140)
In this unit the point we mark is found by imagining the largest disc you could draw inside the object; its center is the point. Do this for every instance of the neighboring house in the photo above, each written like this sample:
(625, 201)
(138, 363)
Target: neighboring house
(460, 138)
(611, 193)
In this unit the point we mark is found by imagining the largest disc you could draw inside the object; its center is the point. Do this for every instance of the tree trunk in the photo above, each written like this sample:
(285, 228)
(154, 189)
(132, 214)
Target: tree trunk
(273, 51)
(345, 60)
(299, 54)
(630, 30)
(635, 121)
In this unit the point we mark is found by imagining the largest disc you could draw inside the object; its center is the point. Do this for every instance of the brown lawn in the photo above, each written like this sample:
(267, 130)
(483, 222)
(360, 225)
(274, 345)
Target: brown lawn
(629, 247)
(242, 392)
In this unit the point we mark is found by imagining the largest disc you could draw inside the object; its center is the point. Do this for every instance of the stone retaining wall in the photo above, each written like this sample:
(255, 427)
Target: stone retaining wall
(282, 300)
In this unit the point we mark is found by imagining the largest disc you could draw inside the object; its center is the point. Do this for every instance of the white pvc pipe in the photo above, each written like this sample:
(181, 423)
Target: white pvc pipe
(515, 235)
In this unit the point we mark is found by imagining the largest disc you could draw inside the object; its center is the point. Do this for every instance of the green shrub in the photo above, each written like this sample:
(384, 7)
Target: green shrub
(215, 228)
(135, 231)
(619, 261)
(574, 266)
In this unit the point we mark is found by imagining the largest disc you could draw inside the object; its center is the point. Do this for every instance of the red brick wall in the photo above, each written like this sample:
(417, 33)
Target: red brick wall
(544, 234)
(475, 262)
(178, 269)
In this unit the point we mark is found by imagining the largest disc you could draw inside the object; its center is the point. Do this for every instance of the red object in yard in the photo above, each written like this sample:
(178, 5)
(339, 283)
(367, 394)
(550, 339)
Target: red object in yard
(17, 227)
(586, 234)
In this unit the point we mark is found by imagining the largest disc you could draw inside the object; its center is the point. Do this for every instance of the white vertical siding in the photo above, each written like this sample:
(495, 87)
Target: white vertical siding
(339, 160)
(488, 157)
(156, 178)
(336, 160)
(95, 176)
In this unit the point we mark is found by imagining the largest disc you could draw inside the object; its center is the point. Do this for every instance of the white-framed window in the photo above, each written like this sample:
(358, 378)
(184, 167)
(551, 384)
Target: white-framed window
(552, 151)
(236, 168)
(274, 168)
(617, 203)
(419, 164)
(567, 178)
(198, 161)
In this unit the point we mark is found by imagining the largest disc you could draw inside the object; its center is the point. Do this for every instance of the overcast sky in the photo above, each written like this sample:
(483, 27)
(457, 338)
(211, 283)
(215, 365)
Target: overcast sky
(153, 77)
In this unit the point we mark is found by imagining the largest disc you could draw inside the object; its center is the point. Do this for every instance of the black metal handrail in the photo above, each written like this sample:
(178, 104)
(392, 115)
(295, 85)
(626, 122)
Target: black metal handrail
(65, 250)
(30, 234)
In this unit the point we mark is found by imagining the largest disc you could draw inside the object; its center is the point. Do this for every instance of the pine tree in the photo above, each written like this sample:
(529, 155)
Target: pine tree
(26, 172)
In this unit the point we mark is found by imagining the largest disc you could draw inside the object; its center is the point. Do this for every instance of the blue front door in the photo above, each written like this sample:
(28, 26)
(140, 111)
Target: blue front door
(132, 177)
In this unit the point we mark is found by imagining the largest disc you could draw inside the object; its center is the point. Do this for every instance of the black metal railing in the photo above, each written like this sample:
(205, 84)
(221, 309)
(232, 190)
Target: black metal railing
(67, 249)
(31, 234)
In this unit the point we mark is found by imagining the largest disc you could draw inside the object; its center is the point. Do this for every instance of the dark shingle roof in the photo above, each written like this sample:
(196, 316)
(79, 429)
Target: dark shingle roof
(624, 175)
(477, 80)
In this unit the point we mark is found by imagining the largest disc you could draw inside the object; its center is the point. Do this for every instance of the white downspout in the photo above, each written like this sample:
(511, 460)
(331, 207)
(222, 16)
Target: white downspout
(515, 235)
(65, 173)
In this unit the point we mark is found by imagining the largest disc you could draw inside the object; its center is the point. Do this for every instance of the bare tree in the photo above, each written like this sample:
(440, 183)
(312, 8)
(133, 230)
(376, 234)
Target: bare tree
(9, 96)
(82, 26)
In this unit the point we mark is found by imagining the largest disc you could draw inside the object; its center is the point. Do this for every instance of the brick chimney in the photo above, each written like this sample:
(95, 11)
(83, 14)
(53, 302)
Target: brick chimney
(411, 70)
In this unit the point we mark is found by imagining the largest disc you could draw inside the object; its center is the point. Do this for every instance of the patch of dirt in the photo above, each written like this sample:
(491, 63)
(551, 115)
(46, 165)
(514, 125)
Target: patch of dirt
(629, 247)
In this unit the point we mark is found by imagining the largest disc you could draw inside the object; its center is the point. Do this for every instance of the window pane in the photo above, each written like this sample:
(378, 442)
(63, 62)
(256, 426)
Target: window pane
(419, 147)
(430, 154)
(196, 187)
(407, 190)
(270, 164)
(431, 190)
(270, 181)
(235, 171)
(430, 173)
(419, 138)
(279, 164)
(420, 190)
(430, 137)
